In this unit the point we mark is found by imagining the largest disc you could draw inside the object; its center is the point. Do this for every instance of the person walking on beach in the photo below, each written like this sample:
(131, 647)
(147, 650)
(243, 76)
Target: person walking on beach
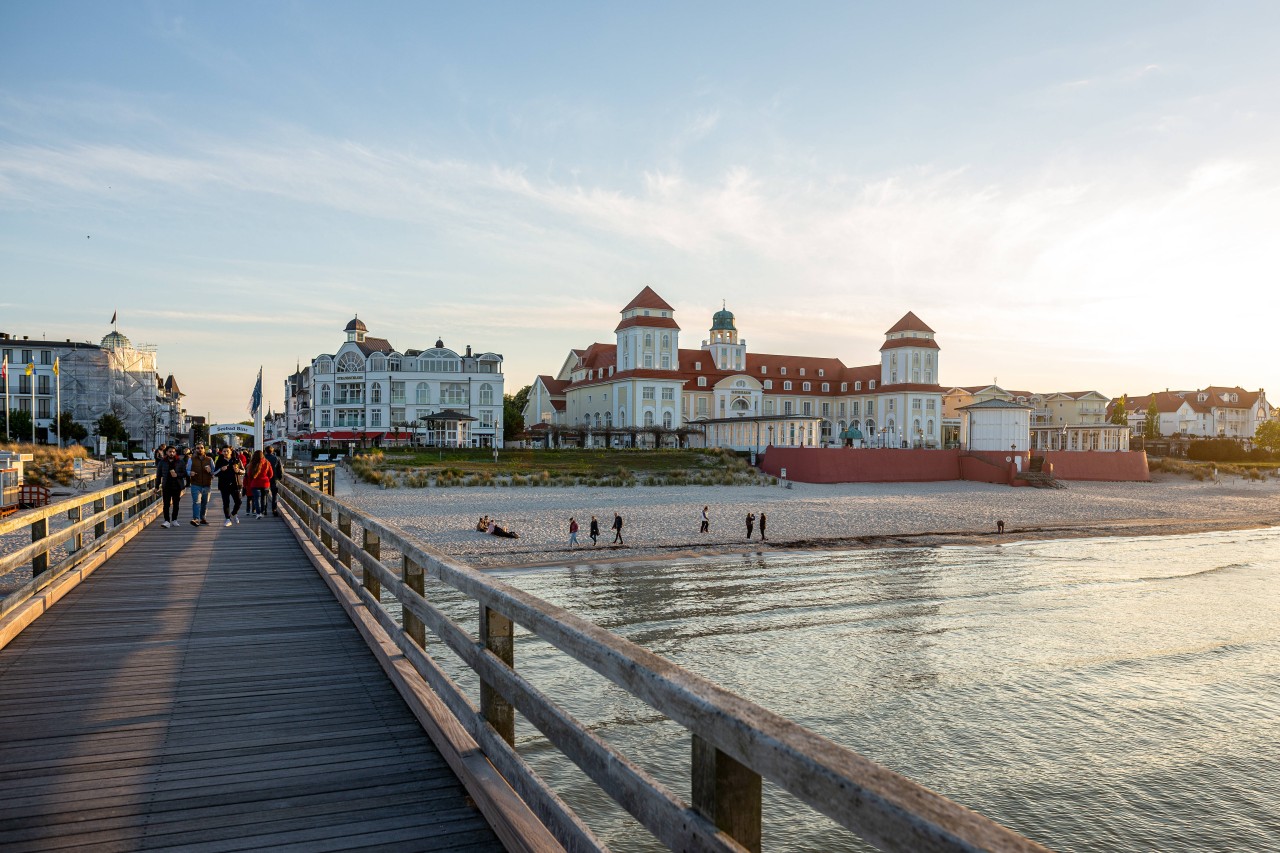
(763, 520)
(173, 479)
(573, 532)
(617, 529)
(228, 471)
(595, 531)
(200, 472)
(751, 523)
(706, 522)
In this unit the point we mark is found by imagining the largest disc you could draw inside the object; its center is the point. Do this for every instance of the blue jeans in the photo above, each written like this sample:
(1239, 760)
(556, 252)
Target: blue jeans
(257, 501)
(199, 502)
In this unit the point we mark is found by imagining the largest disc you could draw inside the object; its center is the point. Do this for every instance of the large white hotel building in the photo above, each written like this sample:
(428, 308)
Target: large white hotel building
(740, 399)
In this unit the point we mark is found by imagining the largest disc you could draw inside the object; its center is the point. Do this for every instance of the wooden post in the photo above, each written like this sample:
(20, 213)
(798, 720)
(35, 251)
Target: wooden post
(372, 547)
(412, 575)
(727, 793)
(497, 633)
(74, 515)
(99, 529)
(344, 527)
(325, 537)
(40, 562)
(329, 478)
(116, 500)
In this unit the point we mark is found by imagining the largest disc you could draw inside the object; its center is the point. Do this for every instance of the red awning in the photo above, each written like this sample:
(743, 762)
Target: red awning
(332, 436)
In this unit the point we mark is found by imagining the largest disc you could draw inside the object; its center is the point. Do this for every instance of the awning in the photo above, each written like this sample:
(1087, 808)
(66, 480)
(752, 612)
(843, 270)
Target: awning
(332, 436)
(852, 433)
(449, 415)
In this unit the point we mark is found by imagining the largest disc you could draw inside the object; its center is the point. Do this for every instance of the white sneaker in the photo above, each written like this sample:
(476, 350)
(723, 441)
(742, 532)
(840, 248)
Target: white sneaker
(228, 523)
(237, 518)
(259, 515)
(164, 524)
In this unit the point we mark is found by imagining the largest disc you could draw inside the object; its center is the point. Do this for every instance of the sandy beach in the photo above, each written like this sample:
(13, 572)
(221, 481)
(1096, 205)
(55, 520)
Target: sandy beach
(663, 521)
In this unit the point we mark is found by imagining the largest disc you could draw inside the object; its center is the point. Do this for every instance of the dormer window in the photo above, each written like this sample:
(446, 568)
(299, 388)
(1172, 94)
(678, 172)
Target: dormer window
(826, 386)
(857, 386)
(763, 370)
(871, 385)
(646, 312)
(782, 370)
(802, 371)
(844, 386)
(786, 386)
(702, 382)
(697, 365)
(821, 372)
(805, 387)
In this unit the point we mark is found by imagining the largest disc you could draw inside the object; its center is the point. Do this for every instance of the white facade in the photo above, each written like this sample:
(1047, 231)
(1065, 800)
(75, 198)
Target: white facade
(996, 425)
(369, 391)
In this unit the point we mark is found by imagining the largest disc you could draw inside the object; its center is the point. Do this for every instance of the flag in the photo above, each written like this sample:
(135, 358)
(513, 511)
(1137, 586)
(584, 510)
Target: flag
(256, 402)
(113, 317)
(31, 368)
(4, 370)
(55, 367)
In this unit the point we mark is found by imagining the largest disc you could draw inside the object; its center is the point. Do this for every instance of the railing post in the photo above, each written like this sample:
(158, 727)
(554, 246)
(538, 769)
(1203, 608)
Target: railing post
(100, 529)
(329, 478)
(116, 500)
(412, 575)
(727, 793)
(497, 633)
(40, 562)
(344, 527)
(74, 515)
(326, 514)
(372, 547)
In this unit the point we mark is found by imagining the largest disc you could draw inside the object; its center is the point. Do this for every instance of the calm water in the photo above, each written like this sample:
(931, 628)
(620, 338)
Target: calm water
(1111, 694)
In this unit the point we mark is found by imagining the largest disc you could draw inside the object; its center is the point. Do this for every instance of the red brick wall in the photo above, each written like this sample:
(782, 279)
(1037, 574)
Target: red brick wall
(849, 465)
(1130, 467)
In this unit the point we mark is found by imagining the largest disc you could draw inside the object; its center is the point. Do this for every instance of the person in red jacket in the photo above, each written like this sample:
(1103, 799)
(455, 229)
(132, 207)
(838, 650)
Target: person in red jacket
(257, 483)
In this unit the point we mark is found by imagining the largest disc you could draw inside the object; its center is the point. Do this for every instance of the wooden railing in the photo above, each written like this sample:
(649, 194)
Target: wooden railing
(734, 743)
(318, 475)
(95, 519)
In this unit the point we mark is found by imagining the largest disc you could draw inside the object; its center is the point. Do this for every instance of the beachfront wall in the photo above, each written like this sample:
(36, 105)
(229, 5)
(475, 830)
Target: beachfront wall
(861, 465)
(1125, 467)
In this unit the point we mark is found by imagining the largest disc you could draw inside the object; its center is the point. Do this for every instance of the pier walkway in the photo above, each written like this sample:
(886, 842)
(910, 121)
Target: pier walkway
(206, 690)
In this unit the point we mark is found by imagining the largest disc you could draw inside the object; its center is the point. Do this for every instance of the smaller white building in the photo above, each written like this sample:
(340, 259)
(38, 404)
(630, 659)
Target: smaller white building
(997, 425)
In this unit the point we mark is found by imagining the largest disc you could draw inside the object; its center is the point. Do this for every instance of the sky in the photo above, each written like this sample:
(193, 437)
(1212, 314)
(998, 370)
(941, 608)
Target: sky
(1073, 196)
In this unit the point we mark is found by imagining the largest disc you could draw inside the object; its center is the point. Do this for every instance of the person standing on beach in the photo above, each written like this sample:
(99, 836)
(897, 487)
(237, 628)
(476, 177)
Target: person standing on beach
(751, 523)
(173, 479)
(706, 521)
(763, 520)
(200, 473)
(617, 529)
(228, 471)
(573, 532)
(595, 531)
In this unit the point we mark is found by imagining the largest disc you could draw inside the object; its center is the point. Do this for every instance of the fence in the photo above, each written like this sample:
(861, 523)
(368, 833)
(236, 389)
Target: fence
(114, 514)
(734, 743)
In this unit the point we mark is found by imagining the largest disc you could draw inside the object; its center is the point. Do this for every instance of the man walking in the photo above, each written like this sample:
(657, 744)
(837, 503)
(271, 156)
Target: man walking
(706, 521)
(595, 531)
(763, 520)
(276, 470)
(617, 529)
(173, 478)
(751, 523)
(200, 473)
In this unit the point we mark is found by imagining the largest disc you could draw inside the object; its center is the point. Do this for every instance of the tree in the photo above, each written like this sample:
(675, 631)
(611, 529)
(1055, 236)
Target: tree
(200, 432)
(19, 425)
(1268, 435)
(71, 431)
(1120, 412)
(513, 412)
(1151, 424)
(112, 428)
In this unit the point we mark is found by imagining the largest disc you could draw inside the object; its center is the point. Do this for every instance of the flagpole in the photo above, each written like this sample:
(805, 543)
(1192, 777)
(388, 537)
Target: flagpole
(32, 367)
(6, 398)
(57, 412)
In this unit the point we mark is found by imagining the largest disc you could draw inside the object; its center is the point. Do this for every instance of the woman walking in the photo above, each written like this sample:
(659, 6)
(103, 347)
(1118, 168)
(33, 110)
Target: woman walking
(573, 532)
(257, 483)
(228, 472)
(595, 530)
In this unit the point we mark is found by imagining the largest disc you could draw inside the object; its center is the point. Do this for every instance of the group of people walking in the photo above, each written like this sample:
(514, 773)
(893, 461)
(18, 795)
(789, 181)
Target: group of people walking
(236, 473)
(704, 527)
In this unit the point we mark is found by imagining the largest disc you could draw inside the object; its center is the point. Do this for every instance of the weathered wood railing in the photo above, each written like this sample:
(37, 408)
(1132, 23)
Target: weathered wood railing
(734, 742)
(97, 521)
(318, 475)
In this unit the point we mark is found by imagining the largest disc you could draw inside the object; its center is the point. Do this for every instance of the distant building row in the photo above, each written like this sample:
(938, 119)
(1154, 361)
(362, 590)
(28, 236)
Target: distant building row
(1212, 412)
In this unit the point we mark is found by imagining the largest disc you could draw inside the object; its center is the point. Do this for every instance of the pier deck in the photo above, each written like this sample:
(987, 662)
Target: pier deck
(205, 690)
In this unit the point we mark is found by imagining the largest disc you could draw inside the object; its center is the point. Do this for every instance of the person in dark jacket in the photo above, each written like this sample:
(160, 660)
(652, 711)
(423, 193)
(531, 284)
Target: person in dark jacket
(276, 470)
(173, 479)
(617, 529)
(159, 457)
(200, 475)
(595, 530)
(228, 471)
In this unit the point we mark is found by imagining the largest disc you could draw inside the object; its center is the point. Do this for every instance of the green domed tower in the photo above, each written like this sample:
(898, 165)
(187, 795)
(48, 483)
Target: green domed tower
(726, 350)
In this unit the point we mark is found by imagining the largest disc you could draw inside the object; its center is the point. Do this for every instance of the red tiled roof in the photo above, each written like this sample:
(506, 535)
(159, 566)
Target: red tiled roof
(923, 343)
(647, 322)
(371, 345)
(558, 405)
(909, 323)
(553, 385)
(647, 298)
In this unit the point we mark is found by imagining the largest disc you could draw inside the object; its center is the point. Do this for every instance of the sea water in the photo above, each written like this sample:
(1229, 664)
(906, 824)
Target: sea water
(1093, 694)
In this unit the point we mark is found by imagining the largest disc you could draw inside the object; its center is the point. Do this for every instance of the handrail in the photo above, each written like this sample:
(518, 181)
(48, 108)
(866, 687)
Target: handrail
(735, 741)
(114, 510)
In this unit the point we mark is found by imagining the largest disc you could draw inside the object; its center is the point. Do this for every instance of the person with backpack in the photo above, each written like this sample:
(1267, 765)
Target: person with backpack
(228, 472)
(276, 470)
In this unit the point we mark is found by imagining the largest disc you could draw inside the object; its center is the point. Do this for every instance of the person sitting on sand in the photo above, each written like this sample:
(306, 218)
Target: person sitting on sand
(495, 530)
(483, 524)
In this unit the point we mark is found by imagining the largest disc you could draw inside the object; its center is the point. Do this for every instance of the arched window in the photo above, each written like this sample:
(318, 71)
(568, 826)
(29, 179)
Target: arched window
(648, 339)
(622, 417)
(806, 386)
(666, 341)
(786, 386)
(324, 395)
(930, 430)
(666, 420)
(648, 419)
(324, 364)
(422, 394)
(393, 363)
(608, 419)
(377, 362)
(350, 363)
(768, 385)
(375, 393)
(486, 397)
(826, 386)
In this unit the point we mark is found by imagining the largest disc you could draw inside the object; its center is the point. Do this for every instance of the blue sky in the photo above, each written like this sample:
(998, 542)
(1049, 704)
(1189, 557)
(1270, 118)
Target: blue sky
(1073, 195)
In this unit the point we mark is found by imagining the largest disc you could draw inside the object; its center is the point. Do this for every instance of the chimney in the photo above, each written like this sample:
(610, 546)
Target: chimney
(468, 350)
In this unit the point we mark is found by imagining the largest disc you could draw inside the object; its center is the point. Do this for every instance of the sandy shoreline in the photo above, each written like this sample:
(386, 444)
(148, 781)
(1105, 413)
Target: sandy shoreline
(662, 522)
